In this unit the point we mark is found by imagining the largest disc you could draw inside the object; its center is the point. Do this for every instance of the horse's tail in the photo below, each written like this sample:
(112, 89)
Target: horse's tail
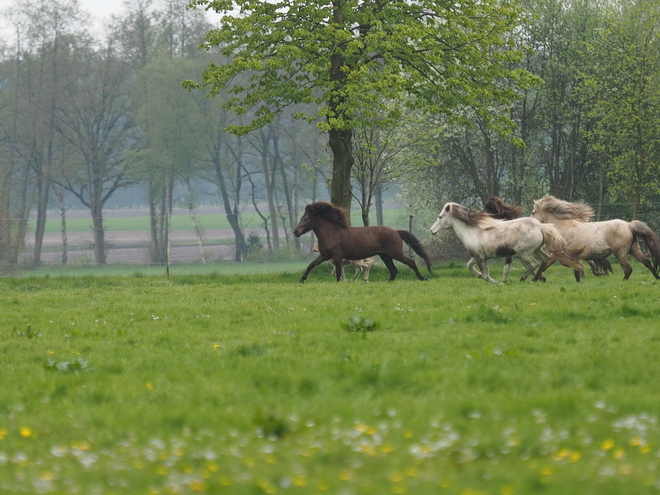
(557, 245)
(414, 243)
(602, 267)
(650, 238)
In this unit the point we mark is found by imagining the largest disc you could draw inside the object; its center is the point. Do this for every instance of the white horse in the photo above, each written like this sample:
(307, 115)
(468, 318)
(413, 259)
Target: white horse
(485, 238)
(600, 239)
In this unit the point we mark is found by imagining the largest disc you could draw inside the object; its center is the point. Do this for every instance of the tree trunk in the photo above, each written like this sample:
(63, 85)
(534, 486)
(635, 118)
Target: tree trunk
(378, 197)
(99, 233)
(285, 187)
(61, 195)
(231, 214)
(193, 219)
(341, 144)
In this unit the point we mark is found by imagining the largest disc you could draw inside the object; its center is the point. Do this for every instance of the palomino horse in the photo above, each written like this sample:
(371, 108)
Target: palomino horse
(497, 208)
(338, 241)
(485, 238)
(601, 239)
(360, 265)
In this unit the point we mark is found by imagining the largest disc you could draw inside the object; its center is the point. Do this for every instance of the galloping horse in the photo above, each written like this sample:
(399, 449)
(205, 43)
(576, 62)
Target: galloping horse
(486, 237)
(497, 208)
(601, 239)
(338, 241)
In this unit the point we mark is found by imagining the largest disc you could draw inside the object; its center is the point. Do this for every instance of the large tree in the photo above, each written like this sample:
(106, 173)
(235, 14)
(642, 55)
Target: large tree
(349, 56)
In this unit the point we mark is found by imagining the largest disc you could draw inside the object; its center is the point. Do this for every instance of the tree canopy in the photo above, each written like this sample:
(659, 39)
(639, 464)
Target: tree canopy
(349, 58)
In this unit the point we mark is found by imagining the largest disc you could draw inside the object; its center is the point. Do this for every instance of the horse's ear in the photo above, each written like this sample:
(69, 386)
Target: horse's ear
(448, 207)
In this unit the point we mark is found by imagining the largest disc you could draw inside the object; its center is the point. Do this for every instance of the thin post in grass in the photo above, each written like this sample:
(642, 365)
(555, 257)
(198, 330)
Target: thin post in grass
(410, 251)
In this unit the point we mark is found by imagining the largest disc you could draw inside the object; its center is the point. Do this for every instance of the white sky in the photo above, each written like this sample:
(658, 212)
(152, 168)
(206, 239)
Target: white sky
(100, 10)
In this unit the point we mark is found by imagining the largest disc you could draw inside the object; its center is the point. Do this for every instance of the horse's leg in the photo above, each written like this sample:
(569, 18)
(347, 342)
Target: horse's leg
(483, 265)
(407, 261)
(547, 264)
(507, 268)
(339, 266)
(470, 265)
(320, 259)
(541, 256)
(621, 256)
(390, 266)
(366, 272)
(529, 269)
(358, 270)
(636, 251)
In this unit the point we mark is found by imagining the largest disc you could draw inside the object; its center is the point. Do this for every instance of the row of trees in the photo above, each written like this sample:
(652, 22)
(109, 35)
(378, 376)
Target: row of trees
(591, 131)
(453, 102)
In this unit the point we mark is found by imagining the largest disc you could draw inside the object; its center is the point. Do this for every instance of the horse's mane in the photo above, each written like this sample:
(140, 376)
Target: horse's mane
(329, 212)
(473, 218)
(564, 210)
(499, 209)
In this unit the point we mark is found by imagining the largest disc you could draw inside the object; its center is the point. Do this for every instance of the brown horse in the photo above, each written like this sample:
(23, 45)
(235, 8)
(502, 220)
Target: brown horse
(338, 241)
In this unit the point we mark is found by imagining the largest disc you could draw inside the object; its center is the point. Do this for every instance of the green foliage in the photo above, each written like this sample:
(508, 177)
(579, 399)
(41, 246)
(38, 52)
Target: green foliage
(249, 384)
(441, 56)
(66, 366)
(357, 323)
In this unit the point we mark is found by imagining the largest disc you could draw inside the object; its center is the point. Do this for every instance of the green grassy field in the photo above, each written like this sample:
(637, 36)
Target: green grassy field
(392, 217)
(246, 384)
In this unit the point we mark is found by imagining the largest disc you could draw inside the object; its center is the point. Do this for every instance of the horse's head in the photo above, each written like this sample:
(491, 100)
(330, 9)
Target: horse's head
(538, 212)
(306, 222)
(444, 219)
(320, 210)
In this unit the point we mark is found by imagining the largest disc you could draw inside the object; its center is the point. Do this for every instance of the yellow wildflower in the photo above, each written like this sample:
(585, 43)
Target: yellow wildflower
(299, 480)
(607, 444)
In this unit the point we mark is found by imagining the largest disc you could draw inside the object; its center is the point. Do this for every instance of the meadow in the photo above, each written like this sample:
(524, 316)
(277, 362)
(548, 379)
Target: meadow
(247, 384)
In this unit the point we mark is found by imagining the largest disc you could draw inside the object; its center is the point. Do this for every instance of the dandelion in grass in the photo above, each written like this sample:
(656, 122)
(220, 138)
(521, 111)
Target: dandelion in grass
(345, 475)
(26, 431)
(149, 385)
(388, 448)
(607, 444)
(618, 454)
(396, 477)
(3, 433)
(412, 472)
(625, 469)
(299, 480)
(199, 486)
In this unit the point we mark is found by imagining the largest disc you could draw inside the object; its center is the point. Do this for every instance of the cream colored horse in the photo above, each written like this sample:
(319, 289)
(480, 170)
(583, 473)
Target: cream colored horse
(485, 238)
(600, 239)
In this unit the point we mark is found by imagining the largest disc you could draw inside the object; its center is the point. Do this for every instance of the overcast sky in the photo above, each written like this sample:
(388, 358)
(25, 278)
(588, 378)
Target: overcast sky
(101, 10)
